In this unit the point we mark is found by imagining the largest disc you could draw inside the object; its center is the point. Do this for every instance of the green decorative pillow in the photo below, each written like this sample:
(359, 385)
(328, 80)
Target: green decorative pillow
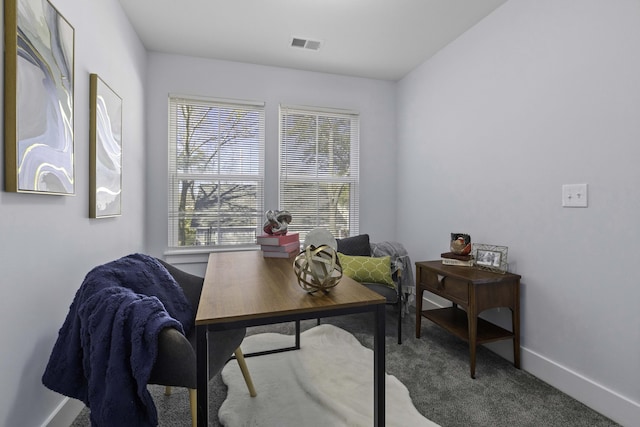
(365, 269)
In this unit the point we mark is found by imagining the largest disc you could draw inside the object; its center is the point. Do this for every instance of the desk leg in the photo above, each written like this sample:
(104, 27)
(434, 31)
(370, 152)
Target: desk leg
(473, 337)
(379, 367)
(202, 370)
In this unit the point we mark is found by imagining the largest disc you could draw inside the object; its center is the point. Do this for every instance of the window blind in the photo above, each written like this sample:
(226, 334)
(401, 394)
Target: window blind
(216, 171)
(319, 169)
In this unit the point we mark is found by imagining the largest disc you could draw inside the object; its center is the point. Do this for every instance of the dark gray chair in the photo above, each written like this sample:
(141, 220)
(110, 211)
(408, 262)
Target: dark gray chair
(361, 246)
(176, 360)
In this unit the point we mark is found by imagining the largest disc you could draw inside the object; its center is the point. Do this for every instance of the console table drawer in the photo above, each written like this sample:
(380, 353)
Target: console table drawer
(456, 290)
(447, 287)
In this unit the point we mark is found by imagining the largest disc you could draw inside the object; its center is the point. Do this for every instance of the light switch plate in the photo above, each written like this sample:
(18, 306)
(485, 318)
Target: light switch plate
(574, 195)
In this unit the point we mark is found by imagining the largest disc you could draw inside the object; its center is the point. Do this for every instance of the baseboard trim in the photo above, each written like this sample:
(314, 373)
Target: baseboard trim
(64, 414)
(596, 396)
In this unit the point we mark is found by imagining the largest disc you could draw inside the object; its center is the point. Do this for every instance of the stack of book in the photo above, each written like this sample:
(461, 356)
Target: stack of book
(450, 258)
(284, 246)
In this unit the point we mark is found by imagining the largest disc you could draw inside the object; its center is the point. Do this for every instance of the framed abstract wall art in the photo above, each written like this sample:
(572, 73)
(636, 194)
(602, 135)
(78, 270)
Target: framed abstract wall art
(105, 150)
(39, 103)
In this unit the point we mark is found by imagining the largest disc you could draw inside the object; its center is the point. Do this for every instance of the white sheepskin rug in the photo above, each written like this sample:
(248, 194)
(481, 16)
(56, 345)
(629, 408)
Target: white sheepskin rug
(328, 382)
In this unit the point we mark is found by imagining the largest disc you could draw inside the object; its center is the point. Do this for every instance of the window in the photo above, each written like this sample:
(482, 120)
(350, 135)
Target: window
(216, 172)
(319, 169)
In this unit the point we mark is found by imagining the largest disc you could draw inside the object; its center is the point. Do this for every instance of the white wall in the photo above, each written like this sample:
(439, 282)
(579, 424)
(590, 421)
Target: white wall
(374, 99)
(48, 243)
(539, 94)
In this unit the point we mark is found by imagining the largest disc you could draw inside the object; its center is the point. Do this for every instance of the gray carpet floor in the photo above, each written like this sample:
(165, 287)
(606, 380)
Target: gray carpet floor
(435, 369)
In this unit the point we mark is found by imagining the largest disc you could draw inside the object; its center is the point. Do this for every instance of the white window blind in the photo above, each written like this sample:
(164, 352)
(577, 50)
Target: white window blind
(319, 169)
(216, 172)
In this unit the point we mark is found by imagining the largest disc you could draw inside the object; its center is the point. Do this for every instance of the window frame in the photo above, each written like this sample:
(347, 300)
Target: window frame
(215, 177)
(352, 179)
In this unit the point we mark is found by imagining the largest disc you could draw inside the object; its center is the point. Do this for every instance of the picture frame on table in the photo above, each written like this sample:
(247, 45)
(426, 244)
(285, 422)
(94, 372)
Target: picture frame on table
(491, 257)
(105, 150)
(38, 99)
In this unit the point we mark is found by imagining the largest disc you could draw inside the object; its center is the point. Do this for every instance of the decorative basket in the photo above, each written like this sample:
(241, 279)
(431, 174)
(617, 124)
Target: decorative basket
(317, 269)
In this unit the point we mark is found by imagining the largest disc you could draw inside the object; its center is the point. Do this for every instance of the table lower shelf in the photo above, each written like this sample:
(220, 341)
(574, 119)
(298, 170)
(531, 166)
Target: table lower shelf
(455, 321)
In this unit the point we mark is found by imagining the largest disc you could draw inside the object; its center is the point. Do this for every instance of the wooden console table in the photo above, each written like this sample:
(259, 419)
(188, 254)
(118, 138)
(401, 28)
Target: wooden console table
(474, 290)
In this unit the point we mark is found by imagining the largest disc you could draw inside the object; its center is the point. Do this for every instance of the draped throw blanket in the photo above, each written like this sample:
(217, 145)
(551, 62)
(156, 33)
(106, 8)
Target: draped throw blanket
(400, 257)
(107, 346)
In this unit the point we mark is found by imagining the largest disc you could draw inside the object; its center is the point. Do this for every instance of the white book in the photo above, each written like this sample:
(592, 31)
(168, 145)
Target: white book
(458, 262)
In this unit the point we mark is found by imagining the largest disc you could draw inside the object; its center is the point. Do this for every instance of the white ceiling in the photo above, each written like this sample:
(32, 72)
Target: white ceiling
(381, 39)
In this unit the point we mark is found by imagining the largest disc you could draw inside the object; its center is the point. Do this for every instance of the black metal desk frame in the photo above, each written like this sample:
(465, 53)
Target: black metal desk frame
(378, 311)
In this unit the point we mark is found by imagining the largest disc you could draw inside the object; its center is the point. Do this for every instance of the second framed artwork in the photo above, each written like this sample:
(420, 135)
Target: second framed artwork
(105, 140)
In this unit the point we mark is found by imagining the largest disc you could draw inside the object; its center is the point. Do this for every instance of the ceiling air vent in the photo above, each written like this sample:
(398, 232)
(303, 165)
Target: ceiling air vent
(305, 43)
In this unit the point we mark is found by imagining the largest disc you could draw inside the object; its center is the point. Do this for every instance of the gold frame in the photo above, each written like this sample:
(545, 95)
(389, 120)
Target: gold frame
(42, 162)
(105, 157)
(10, 96)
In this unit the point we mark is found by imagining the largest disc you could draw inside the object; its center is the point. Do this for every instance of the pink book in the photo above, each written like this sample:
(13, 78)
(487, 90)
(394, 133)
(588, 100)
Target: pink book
(277, 254)
(287, 247)
(271, 240)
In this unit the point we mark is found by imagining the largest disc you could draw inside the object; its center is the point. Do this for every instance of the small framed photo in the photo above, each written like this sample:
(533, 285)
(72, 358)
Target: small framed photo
(490, 257)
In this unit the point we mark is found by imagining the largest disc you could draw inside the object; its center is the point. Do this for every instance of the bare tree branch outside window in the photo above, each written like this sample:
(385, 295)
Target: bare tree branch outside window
(217, 177)
(319, 170)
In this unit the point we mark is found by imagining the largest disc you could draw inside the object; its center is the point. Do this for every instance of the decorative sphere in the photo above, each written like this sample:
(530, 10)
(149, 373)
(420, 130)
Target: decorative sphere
(459, 247)
(320, 236)
(317, 269)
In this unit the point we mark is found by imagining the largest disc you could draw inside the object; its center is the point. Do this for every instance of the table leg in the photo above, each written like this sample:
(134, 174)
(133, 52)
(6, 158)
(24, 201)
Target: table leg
(418, 310)
(202, 374)
(472, 319)
(379, 367)
(515, 323)
(298, 334)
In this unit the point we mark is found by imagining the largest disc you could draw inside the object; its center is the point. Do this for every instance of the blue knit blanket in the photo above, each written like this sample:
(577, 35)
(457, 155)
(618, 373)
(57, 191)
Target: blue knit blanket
(107, 346)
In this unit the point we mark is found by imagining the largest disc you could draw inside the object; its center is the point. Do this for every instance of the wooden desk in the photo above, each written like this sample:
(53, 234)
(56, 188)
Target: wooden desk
(244, 289)
(474, 290)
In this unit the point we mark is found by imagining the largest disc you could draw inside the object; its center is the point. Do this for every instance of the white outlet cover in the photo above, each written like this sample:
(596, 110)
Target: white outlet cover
(575, 195)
